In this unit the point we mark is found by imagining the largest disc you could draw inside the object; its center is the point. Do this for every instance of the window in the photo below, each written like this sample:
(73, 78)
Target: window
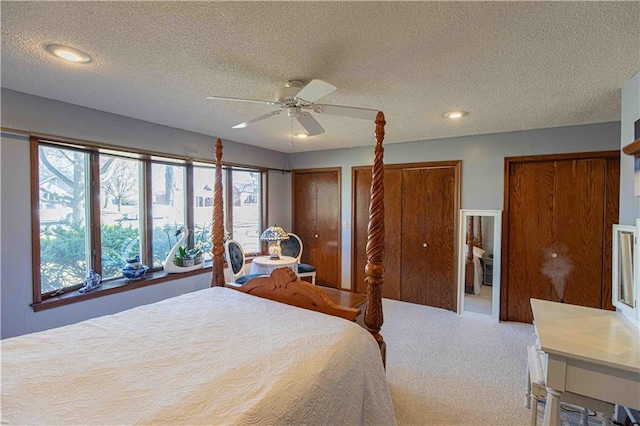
(99, 207)
(243, 221)
(246, 226)
(119, 212)
(62, 184)
(168, 197)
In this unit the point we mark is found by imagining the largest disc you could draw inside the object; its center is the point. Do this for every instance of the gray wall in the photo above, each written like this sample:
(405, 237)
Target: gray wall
(482, 163)
(629, 205)
(25, 112)
(482, 185)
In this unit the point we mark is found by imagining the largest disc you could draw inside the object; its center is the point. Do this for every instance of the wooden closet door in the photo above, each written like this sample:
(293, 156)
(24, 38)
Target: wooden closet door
(559, 213)
(326, 255)
(530, 222)
(421, 204)
(579, 226)
(316, 220)
(304, 217)
(428, 237)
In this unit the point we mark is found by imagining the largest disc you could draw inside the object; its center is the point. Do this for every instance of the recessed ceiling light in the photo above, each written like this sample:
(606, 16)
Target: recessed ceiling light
(68, 53)
(454, 115)
(301, 135)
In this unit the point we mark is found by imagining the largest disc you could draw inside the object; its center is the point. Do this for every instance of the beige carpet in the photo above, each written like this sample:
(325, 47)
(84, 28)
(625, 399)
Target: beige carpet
(449, 370)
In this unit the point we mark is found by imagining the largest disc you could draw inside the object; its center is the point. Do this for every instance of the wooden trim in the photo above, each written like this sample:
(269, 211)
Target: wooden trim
(408, 166)
(94, 211)
(113, 287)
(561, 157)
(264, 219)
(353, 275)
(147, 254)
(35, 218)
(189, 207)
(319, 170)
(633, 148)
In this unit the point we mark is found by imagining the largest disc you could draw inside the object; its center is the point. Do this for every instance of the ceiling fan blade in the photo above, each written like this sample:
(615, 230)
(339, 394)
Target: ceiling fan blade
(310, 124)
(346, 111)
(255, 120)
(255, 101)
(315, 90)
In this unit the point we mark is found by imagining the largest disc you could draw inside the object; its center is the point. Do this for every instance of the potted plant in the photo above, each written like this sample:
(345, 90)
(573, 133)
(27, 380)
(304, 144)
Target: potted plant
(189, 257)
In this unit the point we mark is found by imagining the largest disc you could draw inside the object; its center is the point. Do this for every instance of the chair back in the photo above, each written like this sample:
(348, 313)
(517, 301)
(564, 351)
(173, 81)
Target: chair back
(235, 258)
(292, 247)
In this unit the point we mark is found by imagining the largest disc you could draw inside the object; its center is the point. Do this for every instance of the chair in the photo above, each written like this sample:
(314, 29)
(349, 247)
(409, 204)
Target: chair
(235, 259)
(293, 247)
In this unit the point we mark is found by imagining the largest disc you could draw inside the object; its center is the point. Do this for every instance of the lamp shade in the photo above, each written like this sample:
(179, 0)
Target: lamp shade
(274, 234)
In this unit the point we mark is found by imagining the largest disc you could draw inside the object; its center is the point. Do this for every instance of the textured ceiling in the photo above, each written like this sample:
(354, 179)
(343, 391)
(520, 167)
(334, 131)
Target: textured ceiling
(512, 65)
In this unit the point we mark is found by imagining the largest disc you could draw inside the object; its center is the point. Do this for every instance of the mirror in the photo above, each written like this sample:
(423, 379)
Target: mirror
(479, 263)
(623, 268)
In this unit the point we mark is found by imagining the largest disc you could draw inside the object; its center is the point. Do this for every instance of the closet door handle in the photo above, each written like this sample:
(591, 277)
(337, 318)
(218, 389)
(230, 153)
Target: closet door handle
(425, 245)
(316, 235)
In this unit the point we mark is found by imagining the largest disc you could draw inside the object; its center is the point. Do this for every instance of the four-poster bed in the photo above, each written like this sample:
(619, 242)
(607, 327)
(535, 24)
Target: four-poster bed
(215, 356)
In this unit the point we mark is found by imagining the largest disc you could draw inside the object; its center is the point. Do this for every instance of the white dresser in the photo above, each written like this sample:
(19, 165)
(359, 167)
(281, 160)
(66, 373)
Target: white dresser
(589, 352)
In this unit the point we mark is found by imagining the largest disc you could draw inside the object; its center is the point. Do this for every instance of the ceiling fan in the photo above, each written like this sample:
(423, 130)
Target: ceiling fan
(297, 98)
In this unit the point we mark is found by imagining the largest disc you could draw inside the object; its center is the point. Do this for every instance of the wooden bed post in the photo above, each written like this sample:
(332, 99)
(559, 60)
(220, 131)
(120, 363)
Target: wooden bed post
(468, 267)
(217, 226)
(374, 270)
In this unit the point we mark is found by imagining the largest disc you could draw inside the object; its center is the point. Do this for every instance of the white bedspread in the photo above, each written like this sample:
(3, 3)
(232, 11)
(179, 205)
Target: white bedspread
(215, 356)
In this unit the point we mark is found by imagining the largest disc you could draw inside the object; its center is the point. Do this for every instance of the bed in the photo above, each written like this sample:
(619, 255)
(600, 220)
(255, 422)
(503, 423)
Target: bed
(214, 356)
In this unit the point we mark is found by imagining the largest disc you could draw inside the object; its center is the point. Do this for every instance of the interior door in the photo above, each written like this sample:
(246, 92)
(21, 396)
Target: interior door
(316, 220)
(326, 257)
(557, 234)
(428, 237)
(530, 222)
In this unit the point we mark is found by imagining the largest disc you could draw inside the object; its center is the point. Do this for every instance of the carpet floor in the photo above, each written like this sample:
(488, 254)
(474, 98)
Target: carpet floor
(444, 369)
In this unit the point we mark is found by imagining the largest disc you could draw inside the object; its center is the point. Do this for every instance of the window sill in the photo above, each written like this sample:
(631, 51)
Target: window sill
(115, 286)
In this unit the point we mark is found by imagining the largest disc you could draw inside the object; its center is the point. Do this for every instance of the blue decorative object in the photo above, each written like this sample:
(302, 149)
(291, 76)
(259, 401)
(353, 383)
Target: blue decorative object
(133, 263)
(133, 274)
(91, 282)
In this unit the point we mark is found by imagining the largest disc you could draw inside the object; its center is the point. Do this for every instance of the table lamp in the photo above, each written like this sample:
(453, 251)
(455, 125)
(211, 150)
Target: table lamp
(274, 234)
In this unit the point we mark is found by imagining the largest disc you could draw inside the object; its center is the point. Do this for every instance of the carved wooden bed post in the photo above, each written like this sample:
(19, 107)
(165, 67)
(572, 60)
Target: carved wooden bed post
(217, 227)
(468, 267)
(374, 269)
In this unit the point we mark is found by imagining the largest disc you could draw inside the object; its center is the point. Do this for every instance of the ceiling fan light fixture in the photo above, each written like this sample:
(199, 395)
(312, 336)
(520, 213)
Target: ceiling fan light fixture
(301, 135)
(68, 53)
(454, 115)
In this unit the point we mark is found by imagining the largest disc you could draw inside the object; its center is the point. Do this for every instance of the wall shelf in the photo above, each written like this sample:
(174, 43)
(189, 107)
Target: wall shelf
(633, 148)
